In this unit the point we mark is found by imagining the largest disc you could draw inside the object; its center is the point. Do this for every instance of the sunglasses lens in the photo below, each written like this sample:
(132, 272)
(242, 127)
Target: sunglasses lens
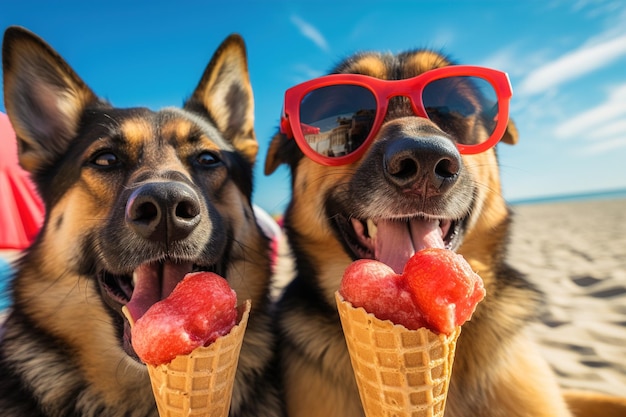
(336, 120)
(464, 107)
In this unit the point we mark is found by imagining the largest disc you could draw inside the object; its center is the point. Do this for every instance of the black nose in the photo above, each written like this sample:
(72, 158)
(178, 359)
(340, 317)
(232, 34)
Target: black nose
(432, 163)
(164, 211)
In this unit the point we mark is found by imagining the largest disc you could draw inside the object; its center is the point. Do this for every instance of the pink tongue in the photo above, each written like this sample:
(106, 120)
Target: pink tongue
(154, 282)
(397, 241)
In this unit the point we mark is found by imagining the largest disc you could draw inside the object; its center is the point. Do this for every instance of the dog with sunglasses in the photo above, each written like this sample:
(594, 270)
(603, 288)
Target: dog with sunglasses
(388, 155)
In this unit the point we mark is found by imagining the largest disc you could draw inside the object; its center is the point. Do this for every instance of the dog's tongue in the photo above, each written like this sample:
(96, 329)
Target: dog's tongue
(154, 282)
(397, 241)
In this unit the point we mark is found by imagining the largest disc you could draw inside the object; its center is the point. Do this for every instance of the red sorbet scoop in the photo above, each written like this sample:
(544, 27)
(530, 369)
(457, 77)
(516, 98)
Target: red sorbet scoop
(375, 287)
(201, 308)
(437, 290)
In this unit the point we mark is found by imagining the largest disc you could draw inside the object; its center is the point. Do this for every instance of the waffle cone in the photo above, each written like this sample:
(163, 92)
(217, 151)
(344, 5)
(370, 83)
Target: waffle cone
(399, 372)
(201, 383)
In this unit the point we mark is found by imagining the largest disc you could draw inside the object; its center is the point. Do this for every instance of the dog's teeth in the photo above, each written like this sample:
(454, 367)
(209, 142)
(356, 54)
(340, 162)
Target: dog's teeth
(134, 279)
(371, 229)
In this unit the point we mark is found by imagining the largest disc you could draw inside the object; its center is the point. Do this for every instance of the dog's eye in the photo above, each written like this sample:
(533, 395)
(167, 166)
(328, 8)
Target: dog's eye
(105, 159)
(207, 159)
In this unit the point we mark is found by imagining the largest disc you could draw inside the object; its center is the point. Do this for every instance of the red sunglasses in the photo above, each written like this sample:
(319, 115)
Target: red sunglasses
(335, 118)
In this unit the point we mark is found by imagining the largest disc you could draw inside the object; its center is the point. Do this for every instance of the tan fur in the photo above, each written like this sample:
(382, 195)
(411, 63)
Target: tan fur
(370, 66)
(139, 131)
(497, 371)
(423, 61)
(64, 345)
(584, 403)
(215, 91)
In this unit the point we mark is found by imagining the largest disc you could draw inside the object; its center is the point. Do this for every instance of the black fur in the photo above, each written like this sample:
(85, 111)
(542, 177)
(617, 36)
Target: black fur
(65, 348)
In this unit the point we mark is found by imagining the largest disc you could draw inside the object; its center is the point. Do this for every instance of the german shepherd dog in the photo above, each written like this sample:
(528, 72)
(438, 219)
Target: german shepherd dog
(134, 200)
(381, 168)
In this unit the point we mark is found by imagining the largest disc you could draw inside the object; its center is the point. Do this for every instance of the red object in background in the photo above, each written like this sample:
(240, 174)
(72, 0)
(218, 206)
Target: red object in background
(21, 209)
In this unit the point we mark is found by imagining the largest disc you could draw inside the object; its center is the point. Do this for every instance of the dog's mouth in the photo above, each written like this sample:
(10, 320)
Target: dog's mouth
(148, 283)
(138, 291)
(394, 241)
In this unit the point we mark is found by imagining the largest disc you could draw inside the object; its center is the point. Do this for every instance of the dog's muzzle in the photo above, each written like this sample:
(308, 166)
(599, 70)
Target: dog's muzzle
(429, 167)
(409, 193)
(166, 239)
(163, 210)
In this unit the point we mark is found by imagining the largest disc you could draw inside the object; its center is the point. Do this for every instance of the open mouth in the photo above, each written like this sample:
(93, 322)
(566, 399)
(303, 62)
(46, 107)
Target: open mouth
(148, 283)
(138, 291)
(394, 241)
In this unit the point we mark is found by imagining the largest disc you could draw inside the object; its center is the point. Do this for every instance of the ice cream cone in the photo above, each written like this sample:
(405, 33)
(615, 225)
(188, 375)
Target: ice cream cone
(201, 383)
(399, 372)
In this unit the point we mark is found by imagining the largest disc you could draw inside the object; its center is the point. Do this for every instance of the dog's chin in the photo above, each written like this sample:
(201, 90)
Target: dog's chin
(392, 241)
(138, 290)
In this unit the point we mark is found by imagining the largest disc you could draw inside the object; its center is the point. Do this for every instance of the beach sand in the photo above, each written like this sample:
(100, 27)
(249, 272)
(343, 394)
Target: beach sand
(575, 252)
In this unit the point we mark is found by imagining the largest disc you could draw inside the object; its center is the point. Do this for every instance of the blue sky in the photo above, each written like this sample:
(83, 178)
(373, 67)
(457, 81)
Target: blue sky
(566, 60)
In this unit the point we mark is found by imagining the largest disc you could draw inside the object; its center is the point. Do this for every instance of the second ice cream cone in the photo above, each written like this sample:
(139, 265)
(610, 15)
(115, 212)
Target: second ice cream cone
(201, 383)
(399, 372)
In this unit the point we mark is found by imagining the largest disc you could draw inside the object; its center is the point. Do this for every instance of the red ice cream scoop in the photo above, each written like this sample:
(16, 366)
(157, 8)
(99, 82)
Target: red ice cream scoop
(201, 308)
(438, 290)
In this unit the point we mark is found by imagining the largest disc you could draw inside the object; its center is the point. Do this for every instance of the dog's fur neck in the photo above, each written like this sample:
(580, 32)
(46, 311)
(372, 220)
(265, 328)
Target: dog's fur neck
(492, 350)
(65, 348)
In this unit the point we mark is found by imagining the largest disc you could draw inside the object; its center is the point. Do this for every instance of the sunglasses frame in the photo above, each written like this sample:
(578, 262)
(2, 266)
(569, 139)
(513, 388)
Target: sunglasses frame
(383, 91)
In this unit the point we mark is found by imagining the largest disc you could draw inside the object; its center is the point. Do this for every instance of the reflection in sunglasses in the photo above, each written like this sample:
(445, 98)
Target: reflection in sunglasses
(340, 137)
(337, 116)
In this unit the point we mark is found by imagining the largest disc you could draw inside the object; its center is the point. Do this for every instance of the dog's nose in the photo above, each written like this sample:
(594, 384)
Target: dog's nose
(166, 211)
(429, 163)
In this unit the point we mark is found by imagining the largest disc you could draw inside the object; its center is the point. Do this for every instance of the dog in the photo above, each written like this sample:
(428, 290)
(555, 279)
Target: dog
(388, 154)
(135, 199)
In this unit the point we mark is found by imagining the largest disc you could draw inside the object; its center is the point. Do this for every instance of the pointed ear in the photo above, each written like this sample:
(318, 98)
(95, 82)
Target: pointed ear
(225, 93)
(511, 136)
(44, 97)
(281, 151)
(272, 159)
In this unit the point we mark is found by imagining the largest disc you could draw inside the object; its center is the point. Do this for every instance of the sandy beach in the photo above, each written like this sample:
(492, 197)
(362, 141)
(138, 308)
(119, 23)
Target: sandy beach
(575, 252)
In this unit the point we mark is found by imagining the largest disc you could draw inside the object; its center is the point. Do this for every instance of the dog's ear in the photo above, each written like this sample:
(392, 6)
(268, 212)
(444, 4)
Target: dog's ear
(511, 136)
(225, 93)
(273, 158)
(281, 151)
(44, 97)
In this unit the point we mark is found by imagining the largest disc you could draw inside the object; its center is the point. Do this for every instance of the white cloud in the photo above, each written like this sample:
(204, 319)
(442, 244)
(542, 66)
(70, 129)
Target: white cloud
(611, 129)
(573, 65)
(598, 8)
(309, 31)
(604, 146)
(307, 71)
(607, 117)
(603, 127)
